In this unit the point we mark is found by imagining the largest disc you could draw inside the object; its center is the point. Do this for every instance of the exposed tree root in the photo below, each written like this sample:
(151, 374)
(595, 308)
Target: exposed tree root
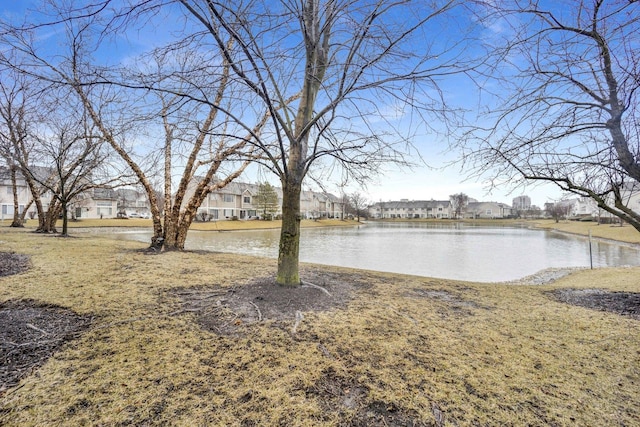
(311, 285)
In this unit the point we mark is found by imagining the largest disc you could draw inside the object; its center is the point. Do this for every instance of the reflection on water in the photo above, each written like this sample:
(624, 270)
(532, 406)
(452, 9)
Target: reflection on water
(453, 251)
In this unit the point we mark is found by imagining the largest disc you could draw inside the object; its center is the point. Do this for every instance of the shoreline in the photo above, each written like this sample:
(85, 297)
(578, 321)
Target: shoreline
(541, 277)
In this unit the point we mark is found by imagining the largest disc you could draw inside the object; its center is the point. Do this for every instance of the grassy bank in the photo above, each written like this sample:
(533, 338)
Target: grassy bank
(624, 233)
(404, 348)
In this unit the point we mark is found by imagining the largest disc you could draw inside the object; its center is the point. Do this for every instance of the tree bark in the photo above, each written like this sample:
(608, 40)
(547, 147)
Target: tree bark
(289, 253)
(65, 220)
(17, 222)
(50, 218)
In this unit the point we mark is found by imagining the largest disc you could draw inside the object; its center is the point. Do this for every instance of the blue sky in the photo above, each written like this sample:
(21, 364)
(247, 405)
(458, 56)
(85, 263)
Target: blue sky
(436, 181)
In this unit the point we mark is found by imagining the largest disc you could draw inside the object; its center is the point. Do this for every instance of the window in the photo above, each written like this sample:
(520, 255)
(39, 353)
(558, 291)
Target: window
(246, 199)
(228, 198)
(488, 212)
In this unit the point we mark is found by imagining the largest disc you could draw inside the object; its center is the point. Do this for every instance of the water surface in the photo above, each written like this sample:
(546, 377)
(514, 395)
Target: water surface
(444, 250)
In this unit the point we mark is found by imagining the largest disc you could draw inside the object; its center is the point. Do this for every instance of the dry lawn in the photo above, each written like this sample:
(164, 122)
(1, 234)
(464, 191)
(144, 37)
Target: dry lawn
(404, 350)
(624, 233)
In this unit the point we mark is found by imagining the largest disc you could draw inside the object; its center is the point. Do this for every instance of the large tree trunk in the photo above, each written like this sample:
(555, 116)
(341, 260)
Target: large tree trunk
(50, 218)
(23, 215)
(17, 221)
(65, 220)
(317, 49)
(180, 232)
(289, 253)
(35, 196)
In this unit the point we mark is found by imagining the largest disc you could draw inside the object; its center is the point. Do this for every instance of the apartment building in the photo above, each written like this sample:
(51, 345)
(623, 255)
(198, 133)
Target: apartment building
(411, 209)
(236, 201)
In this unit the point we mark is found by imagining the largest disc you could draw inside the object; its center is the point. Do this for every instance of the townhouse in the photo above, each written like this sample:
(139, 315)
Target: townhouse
(411, 209)
(6, 194)
(25, 199)
(94, 203)
(487, 210)
(133, 202)
(437, 209)
(236, 201)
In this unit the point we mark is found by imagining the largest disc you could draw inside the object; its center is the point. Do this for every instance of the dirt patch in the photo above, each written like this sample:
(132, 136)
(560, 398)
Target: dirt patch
(622, 303)
(30, 334)
(12, 263)
(226, 311)
(454, 303)
(347, 398)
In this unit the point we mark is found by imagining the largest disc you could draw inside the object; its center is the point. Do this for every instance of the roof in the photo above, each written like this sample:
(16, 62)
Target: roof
(413, 204)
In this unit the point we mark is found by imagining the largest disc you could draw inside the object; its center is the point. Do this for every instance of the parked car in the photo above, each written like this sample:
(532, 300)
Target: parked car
(134, 215)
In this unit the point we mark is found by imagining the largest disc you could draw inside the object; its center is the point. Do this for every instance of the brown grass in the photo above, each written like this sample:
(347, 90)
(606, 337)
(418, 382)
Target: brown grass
(624, 233)
(477, 354)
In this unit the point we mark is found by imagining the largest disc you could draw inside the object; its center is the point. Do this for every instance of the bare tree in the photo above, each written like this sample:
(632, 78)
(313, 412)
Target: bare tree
(459, 204)
(70, 146)
(558, 210)
(352, 63)
(336, 79)
(358, 203)
(568, 111)
(126, 104)
(11, 130)
(19, 96)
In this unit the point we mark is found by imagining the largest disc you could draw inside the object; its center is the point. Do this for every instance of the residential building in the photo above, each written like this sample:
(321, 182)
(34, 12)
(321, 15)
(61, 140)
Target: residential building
(411, 209)
(235, 201)
(24, 194)
(521, 203)
(584, 207)
(6, 194)
(133, 201)
(488, 210)
(94, 203)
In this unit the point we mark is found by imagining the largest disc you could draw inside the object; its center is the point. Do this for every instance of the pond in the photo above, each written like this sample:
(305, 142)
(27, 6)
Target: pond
(444, 250)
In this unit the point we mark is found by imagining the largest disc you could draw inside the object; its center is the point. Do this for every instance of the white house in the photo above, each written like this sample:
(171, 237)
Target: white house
(25, 199)
(94, 203)
(488, 210)
(235, 201)
(411, 209)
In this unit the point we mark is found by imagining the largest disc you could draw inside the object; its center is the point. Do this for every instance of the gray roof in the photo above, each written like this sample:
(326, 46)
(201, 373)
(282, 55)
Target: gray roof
(413, 204)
